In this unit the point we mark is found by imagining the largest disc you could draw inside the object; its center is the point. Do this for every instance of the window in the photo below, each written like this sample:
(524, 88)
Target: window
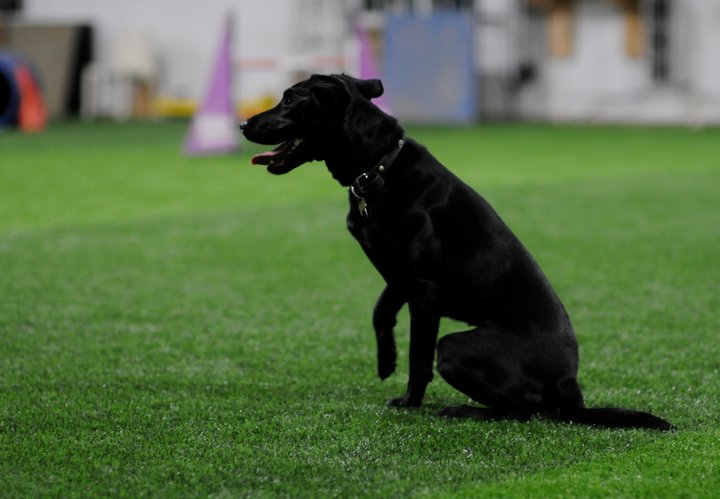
(659, 14)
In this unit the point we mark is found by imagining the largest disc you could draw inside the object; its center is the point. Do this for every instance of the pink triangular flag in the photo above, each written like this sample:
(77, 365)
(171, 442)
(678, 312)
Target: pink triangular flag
(213, 129)
(368, 66)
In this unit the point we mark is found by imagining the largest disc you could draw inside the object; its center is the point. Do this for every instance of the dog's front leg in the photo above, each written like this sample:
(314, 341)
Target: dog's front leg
(424, 325)
(384, 320)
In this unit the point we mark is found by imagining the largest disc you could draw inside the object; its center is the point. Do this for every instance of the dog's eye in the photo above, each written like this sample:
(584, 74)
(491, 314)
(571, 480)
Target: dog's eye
(287, 100)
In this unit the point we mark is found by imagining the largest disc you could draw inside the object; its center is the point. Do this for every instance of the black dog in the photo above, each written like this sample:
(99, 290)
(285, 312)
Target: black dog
(443, 250)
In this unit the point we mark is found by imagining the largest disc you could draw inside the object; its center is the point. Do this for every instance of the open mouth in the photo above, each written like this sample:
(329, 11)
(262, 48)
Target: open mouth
(279, 156)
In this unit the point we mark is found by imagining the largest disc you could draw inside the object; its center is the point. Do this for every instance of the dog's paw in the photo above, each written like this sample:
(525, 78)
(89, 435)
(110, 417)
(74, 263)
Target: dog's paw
(386, 356)
(404, 401)
(386, 366)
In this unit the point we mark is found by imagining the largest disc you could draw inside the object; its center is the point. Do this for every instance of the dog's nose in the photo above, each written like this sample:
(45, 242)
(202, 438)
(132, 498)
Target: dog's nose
(243, 125)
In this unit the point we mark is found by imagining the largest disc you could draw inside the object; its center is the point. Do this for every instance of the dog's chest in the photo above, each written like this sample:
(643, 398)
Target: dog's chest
(359, 225)
(378, 234)
(368, 228)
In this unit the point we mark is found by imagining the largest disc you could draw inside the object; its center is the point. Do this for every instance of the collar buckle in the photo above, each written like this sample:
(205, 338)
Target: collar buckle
(372, 180)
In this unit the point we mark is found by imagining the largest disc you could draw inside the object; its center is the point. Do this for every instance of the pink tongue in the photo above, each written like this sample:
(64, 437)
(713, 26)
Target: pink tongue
(263, 158)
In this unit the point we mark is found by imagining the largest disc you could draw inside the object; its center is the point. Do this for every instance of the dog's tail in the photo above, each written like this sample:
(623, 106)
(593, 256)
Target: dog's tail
(572, 410)
(612, 417)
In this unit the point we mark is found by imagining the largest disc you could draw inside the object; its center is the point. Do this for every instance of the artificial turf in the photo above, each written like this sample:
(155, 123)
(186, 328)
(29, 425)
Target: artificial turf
(195, 327)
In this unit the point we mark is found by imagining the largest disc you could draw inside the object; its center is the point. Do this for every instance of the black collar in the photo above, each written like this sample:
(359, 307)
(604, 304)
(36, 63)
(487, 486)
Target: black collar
(371, 181)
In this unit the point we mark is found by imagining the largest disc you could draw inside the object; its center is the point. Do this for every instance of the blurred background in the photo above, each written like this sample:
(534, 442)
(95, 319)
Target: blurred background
(442, 61)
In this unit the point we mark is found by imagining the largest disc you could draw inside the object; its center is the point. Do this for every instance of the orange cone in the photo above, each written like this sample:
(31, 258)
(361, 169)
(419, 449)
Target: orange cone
(33, 115)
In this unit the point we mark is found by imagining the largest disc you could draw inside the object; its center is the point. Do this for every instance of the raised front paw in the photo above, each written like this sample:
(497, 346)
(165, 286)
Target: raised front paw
(385, 368)
(405, 401)
(386, 362)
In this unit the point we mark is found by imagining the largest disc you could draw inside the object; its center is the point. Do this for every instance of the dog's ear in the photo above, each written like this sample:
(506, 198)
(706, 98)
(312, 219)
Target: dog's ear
(366, 123)
(370, 88)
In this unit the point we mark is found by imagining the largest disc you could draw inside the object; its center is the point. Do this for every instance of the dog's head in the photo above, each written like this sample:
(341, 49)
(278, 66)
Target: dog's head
(320, 118)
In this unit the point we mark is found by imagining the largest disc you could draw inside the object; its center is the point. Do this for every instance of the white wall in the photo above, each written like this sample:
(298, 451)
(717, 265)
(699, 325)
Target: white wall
(599, 82)
(701, 23)
(186, 34)
(596, 73)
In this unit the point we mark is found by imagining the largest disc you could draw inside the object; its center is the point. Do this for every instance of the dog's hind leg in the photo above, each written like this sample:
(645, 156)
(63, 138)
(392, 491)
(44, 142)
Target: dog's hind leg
(485, 365)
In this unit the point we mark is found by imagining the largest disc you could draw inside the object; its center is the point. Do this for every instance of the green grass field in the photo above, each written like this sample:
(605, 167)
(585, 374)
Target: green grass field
(181, 327)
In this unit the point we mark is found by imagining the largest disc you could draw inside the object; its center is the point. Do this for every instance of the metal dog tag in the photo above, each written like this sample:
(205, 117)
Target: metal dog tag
(362, 206)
